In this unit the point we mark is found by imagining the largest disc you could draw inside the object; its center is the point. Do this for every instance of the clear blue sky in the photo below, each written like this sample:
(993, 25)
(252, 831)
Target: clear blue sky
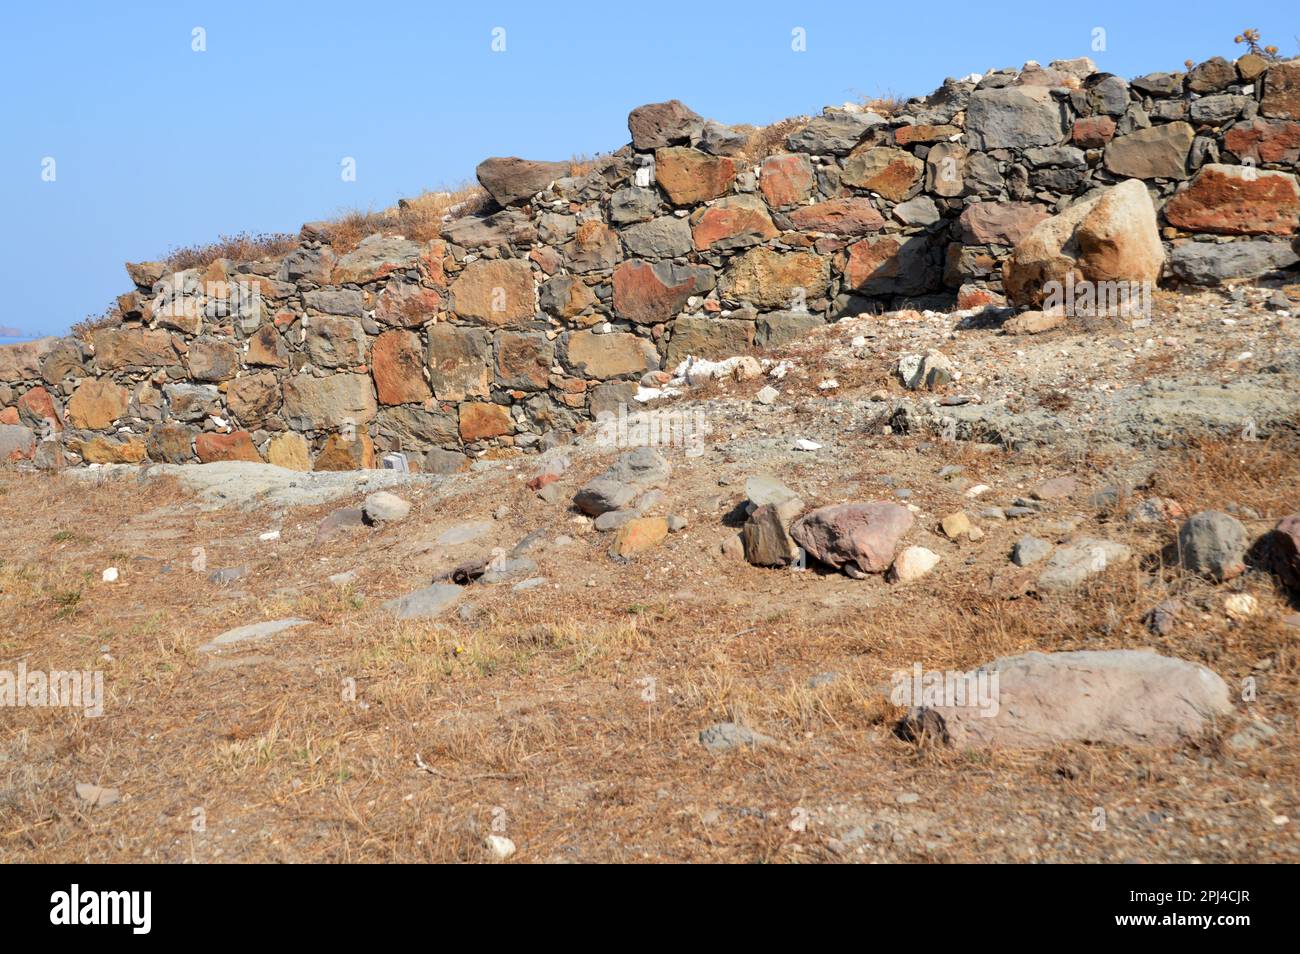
(158, 146)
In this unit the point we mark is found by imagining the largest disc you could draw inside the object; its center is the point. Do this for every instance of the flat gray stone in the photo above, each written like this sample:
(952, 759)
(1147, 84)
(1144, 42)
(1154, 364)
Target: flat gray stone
(1073, 564)
(728, 735)
(252, 631)
(429, 601)
(464, 532)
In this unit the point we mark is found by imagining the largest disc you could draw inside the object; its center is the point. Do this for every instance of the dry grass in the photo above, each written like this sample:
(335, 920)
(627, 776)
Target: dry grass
(766, 141)
(244, 247)
(364, 739)
(111, 317)
(419, 219)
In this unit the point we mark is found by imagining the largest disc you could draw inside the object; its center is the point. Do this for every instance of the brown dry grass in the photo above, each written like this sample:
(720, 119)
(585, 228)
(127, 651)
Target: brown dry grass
(419, 219)
(532, 717)
(766, 141)
(243, 247)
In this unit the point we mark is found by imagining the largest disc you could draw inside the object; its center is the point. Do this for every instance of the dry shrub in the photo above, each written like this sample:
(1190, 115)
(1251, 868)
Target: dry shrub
(243, 247)
(765, 141)
(111, 317)
(419, 219)
(890, 104)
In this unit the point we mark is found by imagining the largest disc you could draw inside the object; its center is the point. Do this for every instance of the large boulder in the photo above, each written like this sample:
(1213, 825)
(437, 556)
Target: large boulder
(1015, 117)
(1110, 237)
(858, 538)
(513, 181)
(656, 125)
(1119, 696)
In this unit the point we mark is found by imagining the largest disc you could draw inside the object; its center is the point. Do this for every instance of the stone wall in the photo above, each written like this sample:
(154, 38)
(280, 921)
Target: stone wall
(553, 304)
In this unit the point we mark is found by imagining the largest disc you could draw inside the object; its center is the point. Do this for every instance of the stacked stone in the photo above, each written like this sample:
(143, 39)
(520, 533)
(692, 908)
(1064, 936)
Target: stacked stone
(554, 304)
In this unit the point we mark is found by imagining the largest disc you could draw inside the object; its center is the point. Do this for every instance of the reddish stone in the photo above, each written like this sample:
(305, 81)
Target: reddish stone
(643, 296)
(97, 403)
(266, 347)
(342, 453)
(1000, 223)
(9, 416)
(397, 363)
(893, 173)
(906, 135)
(690, 176)
(732, 223)
(1093, 132)
(237, 445)
(1262, 141)
(480, 420)
(547, 259)
(1237, 200)
(854, 216)
(37, 407)
(975, 296)
(786, 180)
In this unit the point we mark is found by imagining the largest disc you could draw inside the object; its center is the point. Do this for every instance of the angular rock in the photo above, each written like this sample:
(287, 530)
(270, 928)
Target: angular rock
(664, 237)
(480, 420)
(657, 125)
(495, 292)
(770, 279)
(1159, 152)
(1213, 544)
(610, 355)
(786, 180)
(523, 360)
(316, 404)
(1111, 237)
(514, 181)
(1000, 223)
(1014, 117)
(1212, 263)
(96, 404)
(253, 398)
(893, 173)
(335, 342)
(341, 452)
(912, 564)
(834, 133)
(1281, 99)
(1071, 565)
(237, 445)
(397, 363)
(1237, 200)
(850, 216)
(288, 450)
(706, 337)
(648, 293)
(459, 362)
(640, 534)
(426, 602)
(857, 537)
(737, 221)
(689, 176)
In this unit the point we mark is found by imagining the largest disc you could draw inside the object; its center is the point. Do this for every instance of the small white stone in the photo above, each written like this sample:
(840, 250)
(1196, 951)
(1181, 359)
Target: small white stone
(269, 535)
(767, 395)
(803, 444)
(110, 575)
(500, 846)
(1240, 606)
(978, 489)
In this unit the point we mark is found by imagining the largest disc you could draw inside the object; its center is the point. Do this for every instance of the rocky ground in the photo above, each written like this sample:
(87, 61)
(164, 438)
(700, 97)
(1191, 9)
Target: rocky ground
(494, 673)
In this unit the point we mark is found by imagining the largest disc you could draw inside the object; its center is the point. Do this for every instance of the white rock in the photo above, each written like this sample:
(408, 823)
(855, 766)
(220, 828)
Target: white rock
(500, 846)
(110, 575)
(1240, 605)
(978, 489)
(767, 395)
(803, 444)
(269, 535)
(912, 564)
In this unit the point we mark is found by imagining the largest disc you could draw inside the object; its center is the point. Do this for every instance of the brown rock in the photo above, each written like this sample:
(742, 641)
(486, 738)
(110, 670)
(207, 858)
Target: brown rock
(945, 169)
(37, 409)
(1237, 200)
(595, 247)
(709, 338)
(122, 347)
(182, 314)
(513, 181)
(770, 279)
(340, 453)
(237, 445)
(610, 355)
(734, 222)
(317, 404)
(656, 125)
(851, 216)
(266, 348)
(496, 292)
(923, 133)
(290, 451)
(786, 180)
(397, 363)
(1285, 542)
(406, 304)
(1262, 141)
(1111, 237)
(480, 420)
(1093, 132)
(335, 342)
(1282, 91)
(253, 398)
(170, 443)
(1158, 152)
(858, 537)
(523, 361)
(459, 362)
(648, 294)
(22, 362)
(1033, 322)
(211, 359)
(1211, 76)
(1000, 223)
(97, 403)
(565, 296)
(893, 173)
(640, 534)
(103, 450)
(689, 176)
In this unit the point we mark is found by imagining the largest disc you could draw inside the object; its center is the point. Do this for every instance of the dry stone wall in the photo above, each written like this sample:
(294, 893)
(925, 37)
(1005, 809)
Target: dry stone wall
(555, 303)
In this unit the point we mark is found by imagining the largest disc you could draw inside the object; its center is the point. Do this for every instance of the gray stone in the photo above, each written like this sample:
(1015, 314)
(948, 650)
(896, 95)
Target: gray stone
(1212, 263)
(384, 507)
(426, 602)
(227, 574)
(602, 495)
(664, 237)
(833, 133)
(1071, 565)
(1213, 544)
(1156, 153)
(725, 736)
(633, 204)
(1015, 117)
(1109, 96)
(347, 302)
(463, 532)
(1029, 550)
(1217, 110)
(252, 631)
(918, 211)
(1121, 697)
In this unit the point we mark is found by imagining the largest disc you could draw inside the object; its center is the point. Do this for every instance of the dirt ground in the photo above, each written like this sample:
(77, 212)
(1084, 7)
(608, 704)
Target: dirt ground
(566, 716)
